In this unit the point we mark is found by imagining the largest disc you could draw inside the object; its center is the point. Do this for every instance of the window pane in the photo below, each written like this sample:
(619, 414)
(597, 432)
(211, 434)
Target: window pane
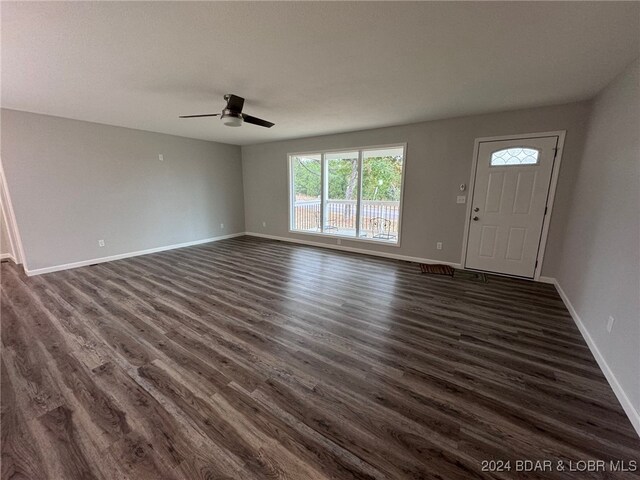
(307, 189)
(342, 193)
(381, 190)
(514, 156)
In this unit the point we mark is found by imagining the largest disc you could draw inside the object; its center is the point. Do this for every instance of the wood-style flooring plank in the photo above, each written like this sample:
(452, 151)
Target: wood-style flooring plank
(19, 458)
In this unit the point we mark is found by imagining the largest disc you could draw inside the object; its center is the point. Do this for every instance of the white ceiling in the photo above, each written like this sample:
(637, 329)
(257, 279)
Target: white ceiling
(312, 68)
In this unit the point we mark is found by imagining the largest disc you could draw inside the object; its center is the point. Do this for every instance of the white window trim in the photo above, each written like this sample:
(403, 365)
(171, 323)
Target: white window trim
(322, 154)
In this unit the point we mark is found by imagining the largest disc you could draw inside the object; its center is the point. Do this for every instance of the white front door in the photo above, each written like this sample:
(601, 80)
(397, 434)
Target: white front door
(509, 202)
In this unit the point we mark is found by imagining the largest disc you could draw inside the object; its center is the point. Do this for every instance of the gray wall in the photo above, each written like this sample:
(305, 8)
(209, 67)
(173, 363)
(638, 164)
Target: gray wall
(599, 269)
(439, 156)
(73, 183)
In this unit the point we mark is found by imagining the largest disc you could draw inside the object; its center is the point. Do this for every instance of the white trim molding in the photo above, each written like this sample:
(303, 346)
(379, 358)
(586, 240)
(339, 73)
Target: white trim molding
(627, 406)
(7, 256)
(10, 217)
(544, 279)
(363, 251)
(93, 261)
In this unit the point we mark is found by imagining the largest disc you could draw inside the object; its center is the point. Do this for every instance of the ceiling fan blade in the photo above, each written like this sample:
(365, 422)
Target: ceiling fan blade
(234, 103)
(257, 121)
(203, 115)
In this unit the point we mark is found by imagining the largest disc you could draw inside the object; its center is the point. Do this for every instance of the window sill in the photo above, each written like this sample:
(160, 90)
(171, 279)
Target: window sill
(348, 238)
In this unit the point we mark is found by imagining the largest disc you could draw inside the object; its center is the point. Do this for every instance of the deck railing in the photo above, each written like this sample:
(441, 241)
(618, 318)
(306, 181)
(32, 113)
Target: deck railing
(341, 215)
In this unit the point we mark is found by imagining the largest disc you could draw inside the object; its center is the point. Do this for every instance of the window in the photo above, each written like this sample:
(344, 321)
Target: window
(351, 193)
(514, 156)
(307, 188)
(343, 184)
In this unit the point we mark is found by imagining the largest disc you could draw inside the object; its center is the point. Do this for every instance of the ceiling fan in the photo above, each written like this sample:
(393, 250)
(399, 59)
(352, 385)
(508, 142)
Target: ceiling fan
(232, 115)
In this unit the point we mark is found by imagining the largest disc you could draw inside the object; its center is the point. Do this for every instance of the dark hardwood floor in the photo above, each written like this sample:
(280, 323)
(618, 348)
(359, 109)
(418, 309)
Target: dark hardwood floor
(255, 359)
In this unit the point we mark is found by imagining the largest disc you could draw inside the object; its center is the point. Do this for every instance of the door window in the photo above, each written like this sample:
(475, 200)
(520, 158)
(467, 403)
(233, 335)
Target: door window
(514, 156)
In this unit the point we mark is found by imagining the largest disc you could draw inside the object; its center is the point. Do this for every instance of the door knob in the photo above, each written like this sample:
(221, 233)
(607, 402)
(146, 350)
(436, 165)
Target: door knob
(477, 209)
(475, 219)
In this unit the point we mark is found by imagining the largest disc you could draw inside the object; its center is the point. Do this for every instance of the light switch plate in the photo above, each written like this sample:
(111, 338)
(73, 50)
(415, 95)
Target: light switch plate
(461, 199)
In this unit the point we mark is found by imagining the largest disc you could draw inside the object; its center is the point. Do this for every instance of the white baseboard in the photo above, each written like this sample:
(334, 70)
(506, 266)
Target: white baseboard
(543, 279)
(84, 263)
(627, 406)
(7, 256)
(354, 250)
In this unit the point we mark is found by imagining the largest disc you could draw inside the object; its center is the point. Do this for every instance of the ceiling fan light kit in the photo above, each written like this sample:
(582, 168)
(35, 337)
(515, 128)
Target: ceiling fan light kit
(231, 119)
(232, 115)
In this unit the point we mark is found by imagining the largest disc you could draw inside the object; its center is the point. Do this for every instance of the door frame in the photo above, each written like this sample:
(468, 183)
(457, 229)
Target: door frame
(10, 217)
(561, 134)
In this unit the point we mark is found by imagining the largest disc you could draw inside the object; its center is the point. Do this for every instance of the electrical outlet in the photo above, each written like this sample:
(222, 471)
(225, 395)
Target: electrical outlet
(161, 157)
(439, 245)
(101, 243)
(222, 226)
(610, 324)
(264, 224)
(461, 199)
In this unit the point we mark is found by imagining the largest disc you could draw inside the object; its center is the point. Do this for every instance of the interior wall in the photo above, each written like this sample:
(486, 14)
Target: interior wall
(439, 157)
(599, 265)
(73, 183)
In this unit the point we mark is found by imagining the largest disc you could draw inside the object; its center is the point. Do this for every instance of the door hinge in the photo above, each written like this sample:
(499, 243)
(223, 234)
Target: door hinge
(536, 265)
(545, 210)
